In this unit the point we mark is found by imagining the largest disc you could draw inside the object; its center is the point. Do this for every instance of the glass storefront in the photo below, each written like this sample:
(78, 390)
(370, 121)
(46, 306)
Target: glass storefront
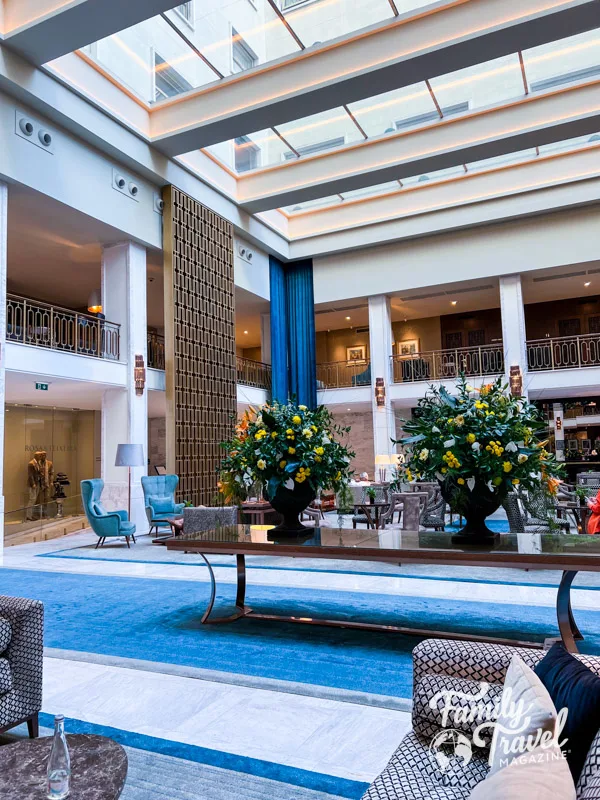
(47, 452)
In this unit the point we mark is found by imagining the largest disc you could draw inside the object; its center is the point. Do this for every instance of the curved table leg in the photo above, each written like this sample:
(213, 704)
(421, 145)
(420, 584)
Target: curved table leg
(566, 622)
(240, 600)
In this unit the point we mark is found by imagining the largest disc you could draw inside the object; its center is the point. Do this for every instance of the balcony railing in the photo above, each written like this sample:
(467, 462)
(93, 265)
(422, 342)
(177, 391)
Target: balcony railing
(564, 352)
(339, 374)
(253, 373)
(438, 365)
(156, 351)
(43, 325)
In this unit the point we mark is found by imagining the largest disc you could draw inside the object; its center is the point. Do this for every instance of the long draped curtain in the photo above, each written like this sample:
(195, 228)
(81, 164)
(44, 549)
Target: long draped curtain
(293, 346)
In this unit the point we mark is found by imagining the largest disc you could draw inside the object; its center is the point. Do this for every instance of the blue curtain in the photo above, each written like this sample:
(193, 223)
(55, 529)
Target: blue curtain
(301, 333)
(279, 360)
(293, 346)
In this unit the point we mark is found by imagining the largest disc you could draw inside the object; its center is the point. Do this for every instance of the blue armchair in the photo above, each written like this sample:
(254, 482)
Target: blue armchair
(105, 524)
(159, 498)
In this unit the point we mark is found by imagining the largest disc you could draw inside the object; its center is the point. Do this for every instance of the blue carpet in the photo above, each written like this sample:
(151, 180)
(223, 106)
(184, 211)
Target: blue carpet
(294, 777)
(159, 620)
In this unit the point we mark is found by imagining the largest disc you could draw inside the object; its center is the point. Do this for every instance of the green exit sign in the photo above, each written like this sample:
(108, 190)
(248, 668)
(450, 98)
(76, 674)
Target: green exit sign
(43, 387)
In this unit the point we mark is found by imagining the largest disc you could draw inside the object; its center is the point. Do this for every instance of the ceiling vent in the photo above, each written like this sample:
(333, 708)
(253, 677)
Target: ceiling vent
(547, 278)
(452, 293)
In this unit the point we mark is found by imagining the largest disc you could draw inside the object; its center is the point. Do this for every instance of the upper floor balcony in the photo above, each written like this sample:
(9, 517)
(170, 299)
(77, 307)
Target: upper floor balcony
(436, 365)
(42, 325)
(563, 352)
(253, 373)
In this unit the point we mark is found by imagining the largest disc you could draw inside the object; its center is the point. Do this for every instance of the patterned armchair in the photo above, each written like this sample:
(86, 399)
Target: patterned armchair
(21, 662)
(105, 524)
(159, 499)
(439, 664)
(206, 518)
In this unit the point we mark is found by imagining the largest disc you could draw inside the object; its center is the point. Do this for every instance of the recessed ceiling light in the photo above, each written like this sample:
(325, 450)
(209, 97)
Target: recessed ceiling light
(587, 283)
(347, 317)
(453, 302)
(246, 332)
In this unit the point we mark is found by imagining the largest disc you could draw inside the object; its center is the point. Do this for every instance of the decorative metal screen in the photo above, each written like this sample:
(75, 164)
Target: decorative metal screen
(199, 343)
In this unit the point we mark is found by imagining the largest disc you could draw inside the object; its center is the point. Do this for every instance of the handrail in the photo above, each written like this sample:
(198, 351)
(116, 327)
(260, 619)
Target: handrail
(156, 350)
(563, 352)
(448, 364)
(253, 373)
(57, 328)
(340, 374)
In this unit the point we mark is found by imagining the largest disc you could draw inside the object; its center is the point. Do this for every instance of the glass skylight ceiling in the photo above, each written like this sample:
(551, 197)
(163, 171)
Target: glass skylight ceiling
(559, 64)
(205, 40)
(442, 174)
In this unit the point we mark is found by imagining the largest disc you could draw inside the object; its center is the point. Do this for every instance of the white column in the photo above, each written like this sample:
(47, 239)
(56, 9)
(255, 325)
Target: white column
(380, 345)
(513, 326)
(3, 268)
(125, 413)
(265, 337)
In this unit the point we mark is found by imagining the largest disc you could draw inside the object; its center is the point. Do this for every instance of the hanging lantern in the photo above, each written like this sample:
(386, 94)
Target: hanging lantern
(94, 305)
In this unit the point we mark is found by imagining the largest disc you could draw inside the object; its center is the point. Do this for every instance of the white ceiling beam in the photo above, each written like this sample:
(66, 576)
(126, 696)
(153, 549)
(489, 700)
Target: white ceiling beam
(530, 122)
(42, 30)
(443, 38)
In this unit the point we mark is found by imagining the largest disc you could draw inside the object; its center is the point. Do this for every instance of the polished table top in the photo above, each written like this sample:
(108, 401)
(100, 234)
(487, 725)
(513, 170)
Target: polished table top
(518, 550)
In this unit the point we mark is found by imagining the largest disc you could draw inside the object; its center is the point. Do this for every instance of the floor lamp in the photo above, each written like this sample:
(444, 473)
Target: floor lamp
(129, 455)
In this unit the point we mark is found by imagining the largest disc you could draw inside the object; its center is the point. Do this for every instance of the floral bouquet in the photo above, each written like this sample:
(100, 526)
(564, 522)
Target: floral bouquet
(291, 451)
(479, 445)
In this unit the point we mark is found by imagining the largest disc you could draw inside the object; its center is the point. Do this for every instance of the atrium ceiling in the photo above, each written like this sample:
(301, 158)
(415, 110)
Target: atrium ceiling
(316, 106)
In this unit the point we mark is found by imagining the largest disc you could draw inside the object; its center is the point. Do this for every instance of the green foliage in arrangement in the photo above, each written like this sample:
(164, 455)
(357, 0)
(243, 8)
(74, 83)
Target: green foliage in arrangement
(285, 445)
(478, 438)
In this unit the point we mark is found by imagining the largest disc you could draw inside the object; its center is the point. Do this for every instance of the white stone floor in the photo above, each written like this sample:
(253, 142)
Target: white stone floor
(342, 738)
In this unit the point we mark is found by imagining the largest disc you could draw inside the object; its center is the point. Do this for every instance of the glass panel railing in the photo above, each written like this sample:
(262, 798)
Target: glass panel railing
(40, 324)
(482, 361)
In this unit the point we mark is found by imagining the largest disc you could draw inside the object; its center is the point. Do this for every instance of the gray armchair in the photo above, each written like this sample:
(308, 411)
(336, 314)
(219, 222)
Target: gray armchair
(461, 666)
(21, 662)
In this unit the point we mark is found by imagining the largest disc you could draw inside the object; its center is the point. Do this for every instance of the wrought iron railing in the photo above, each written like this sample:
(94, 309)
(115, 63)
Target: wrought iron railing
(437, 365)
(253, 373)
(338, 374)
(564, 352)
(156, 350)
(43, 325)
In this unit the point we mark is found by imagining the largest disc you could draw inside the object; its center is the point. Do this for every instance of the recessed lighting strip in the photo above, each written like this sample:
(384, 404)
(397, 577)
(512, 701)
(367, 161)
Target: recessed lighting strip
(191, 45)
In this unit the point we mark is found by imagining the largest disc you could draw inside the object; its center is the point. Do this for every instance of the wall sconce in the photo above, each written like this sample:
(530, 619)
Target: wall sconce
(558, 423)
(516, 381)
(139, 375)
(379, 392)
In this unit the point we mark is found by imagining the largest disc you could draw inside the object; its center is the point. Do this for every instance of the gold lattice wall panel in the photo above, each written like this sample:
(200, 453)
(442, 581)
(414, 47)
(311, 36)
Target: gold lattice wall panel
(199, 342)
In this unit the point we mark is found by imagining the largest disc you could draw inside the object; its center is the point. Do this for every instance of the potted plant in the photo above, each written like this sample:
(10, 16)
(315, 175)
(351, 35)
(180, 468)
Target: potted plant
(371, 494)
(479, 444)
(292, 451)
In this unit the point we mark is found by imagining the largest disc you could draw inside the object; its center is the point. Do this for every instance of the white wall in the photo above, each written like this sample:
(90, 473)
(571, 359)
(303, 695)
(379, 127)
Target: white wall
(517, 246)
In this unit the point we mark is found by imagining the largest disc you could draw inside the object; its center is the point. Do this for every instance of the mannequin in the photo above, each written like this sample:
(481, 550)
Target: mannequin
(40, 476)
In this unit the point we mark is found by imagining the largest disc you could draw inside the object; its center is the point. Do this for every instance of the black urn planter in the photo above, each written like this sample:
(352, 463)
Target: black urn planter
(290, 503)
(475, 507)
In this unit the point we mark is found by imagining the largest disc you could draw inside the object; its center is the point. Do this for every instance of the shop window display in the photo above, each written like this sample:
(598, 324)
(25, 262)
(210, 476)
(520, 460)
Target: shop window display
(48, 451)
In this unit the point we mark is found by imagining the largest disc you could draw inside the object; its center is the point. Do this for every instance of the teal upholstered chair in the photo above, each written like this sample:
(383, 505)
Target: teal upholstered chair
(105, 524)
(159, 498)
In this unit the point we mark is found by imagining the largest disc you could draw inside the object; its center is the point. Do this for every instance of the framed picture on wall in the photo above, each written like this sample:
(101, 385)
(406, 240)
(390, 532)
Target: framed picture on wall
(409, 347)
(356, 354)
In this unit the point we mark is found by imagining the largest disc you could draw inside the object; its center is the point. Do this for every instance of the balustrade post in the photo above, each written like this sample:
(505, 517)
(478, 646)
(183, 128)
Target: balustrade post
(456, 370)
(52, 327)
(481, 369)
(24, 321)
(99, 340)
(578, 351)
(76, 342)
(551, 353)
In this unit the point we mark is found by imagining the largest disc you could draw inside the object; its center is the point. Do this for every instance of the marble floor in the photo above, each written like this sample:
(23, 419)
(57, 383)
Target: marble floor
(334, 735)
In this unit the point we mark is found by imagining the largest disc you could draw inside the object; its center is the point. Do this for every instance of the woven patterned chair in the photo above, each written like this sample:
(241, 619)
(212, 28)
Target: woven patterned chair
(439, 664)
(539, 510)
(21, 662)
(434, 512)
(207, 518)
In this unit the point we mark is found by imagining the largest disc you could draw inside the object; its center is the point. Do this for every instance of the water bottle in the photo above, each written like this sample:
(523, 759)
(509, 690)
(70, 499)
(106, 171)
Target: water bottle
(59, 765)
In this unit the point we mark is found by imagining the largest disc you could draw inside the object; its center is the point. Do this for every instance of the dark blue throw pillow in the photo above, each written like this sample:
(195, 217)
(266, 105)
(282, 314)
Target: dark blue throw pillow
(572, 685)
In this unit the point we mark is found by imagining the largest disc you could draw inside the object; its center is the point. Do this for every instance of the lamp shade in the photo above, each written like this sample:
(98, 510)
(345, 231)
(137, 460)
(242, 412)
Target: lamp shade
(130, 455)
(383, 460)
